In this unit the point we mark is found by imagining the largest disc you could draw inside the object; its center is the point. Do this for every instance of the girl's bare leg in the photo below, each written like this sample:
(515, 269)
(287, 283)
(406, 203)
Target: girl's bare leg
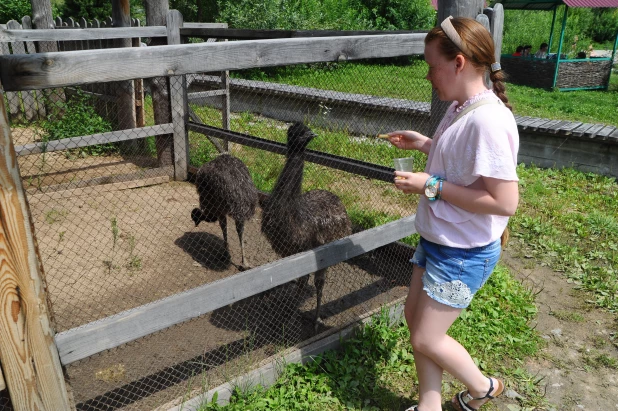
(428, 326)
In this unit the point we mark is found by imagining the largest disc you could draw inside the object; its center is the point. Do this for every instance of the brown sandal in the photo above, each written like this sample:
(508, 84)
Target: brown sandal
(461, 400)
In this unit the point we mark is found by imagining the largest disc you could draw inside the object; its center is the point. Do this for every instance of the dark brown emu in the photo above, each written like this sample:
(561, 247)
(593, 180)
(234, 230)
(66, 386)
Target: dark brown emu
(225, 187)
(293, 221)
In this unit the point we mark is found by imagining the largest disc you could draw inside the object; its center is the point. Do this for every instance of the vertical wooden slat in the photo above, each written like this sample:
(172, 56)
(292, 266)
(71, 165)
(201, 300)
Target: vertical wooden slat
(140, 117)
(178, 101)
(27, 96)
(26, 23)
(125, 90)
(156, 15)
(12, 97)
(29, 357)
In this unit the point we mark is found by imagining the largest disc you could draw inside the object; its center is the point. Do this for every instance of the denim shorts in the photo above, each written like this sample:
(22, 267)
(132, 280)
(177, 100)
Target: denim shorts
(453, 275)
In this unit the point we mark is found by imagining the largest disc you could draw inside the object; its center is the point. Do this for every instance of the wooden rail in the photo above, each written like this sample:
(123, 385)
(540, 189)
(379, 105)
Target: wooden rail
(28, 72)
(110, 332)
(93, 139)
(30, 362)
(81, 34)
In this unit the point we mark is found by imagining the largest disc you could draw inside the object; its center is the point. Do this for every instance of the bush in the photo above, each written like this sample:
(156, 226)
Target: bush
(77, 117)
(328, 14)
(14, 10)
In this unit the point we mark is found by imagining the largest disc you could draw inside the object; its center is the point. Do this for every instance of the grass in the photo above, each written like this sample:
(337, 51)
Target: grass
(408, 82)
(375, 369)
(567, 221)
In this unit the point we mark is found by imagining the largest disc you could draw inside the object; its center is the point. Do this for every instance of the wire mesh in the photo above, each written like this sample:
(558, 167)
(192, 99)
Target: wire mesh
(116, 232)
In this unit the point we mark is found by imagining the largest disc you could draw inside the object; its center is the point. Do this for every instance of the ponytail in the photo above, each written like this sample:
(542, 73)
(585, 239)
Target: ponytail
(497, 78)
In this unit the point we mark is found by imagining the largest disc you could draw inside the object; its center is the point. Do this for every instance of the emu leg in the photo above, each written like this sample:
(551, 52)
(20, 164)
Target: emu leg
(223, 225)
(240, 227)
(320, 280)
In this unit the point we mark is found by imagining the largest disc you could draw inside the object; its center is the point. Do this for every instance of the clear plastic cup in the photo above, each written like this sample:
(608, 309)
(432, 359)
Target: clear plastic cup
(404, 164)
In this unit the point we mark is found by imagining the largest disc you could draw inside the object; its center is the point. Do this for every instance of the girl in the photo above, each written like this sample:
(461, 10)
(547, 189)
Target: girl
(469, 189)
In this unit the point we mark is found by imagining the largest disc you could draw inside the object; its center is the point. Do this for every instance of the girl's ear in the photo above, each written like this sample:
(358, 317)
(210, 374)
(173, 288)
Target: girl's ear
(460, 62)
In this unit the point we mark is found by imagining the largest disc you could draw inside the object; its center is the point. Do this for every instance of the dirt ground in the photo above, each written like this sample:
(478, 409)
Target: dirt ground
(107, 252)
(576, 334)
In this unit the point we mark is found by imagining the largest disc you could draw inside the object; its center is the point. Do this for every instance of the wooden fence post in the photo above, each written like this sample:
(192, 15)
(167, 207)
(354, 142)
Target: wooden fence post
(178, 102)
(28, 353)
(125, 90)
(156, 15)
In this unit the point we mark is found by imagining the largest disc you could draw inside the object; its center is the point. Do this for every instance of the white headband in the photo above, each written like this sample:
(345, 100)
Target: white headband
(452, 34)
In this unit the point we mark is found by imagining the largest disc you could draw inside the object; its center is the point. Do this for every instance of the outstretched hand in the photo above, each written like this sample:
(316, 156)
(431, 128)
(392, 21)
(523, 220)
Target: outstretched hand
(409, 140)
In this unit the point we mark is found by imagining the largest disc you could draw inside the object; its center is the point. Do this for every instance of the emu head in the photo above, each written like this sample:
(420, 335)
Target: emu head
(299, 135)
(198, 216)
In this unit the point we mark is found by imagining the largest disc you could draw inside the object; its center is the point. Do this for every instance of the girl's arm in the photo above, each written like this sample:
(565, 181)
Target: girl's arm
(485, 196)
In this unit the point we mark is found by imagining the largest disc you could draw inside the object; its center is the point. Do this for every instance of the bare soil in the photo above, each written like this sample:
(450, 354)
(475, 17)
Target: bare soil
(577, 335)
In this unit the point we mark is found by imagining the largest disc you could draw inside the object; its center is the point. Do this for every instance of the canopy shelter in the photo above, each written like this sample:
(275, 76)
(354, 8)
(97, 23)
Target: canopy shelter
(558, 71)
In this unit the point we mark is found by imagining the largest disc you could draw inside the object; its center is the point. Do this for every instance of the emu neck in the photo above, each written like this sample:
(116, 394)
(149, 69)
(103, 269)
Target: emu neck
(290, 180)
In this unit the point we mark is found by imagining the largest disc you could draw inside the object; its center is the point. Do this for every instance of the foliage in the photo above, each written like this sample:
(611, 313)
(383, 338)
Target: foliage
(95, 9)
(14, 10)
(76, 117)
(400, 14)
(327, 14)
(532, 27)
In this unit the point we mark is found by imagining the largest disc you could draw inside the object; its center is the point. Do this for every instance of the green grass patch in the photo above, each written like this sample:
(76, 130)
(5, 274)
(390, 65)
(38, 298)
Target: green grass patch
(375, 369)
(567, 220)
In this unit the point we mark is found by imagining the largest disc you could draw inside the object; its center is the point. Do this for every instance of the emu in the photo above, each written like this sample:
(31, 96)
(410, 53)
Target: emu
(225, 188)
(294, 222)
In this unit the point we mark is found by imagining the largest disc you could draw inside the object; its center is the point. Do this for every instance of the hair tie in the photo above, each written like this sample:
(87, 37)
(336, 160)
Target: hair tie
(452, 34)
(495, 67)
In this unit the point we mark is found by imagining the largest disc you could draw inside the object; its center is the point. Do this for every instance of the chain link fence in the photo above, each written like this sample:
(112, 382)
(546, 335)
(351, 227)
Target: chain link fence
(116, 232)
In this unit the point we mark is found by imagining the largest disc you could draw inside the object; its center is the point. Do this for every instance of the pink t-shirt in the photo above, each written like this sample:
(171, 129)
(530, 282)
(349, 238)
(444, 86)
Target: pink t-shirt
(484, 142)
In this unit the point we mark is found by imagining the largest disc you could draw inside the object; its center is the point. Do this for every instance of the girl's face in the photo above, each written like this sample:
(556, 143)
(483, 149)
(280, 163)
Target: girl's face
(441, 72)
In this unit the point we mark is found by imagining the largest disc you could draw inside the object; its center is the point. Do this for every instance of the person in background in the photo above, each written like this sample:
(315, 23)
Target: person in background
(518, 51)
(542, 52)
(468, 189)
(526, 51)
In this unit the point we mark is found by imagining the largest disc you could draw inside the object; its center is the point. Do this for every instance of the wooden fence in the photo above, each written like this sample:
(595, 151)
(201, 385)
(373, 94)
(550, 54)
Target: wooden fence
(33, 72)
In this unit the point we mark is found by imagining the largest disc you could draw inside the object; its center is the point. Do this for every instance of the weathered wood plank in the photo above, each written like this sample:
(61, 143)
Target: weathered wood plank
(496, 20)
(605, 132)
(198, 95)
(30, 361)
(205, 25)
(579, 131)
(26, 23)
(178, 102)
(93, 139)
(68, 34)
(27, 96)
(133, 179)
(13, 98)
(63, 69)
(536, 124)
(484, 20)
(569, 127)
(613, 136)
(548, 125)
(554, 129)
(525, 121)
(592, 131)
(130, 325)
